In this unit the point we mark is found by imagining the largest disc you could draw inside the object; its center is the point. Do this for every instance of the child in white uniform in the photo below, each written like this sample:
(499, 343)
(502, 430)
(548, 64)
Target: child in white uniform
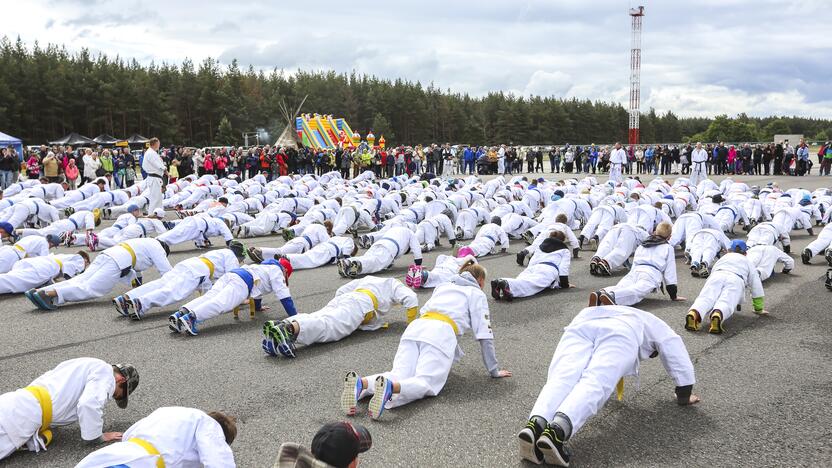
(428, 347)
(597, 350)
(548, 269)
(37, 271)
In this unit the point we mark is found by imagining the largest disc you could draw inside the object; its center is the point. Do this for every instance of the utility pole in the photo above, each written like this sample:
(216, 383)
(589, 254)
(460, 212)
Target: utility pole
(635, 73)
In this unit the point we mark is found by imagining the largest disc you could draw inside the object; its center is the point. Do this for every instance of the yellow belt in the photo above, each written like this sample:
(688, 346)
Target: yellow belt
(45, 401)
(130, 251)
(60, 265)
(433, 315)
(369, 316)
(160, 463)
(210, 266)
(21, 249)
(619, 389)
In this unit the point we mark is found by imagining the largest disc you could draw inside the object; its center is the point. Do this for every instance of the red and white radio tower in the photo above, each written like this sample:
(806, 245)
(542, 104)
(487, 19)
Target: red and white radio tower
(635, 73)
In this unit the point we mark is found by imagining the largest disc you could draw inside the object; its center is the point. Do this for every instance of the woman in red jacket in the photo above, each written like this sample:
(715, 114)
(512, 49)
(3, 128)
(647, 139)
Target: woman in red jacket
(281, 163)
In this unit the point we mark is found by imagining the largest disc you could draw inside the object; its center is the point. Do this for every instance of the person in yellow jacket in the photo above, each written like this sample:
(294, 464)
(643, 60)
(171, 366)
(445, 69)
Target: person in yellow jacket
(76, 390)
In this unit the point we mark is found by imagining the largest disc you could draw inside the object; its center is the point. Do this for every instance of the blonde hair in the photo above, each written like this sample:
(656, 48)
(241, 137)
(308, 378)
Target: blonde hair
(477, 271)
(664, 230)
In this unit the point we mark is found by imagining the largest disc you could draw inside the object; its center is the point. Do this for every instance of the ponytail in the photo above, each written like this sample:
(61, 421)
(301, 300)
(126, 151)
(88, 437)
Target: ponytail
(475, 269)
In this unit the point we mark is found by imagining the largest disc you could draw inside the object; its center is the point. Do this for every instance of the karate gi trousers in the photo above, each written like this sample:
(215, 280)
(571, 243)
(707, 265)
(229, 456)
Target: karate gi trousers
(227, 293)
(723, 291)
(703, 249)
(822, 242)
(336, 321)
(533, 279)
(616, 247)
(635, 285)
(172, 287)
(376, 258)
(588, 363)
(96, 281)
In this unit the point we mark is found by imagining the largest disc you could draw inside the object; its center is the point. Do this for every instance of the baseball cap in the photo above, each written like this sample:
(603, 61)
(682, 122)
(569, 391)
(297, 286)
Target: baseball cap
(339, 443)
(132, 375)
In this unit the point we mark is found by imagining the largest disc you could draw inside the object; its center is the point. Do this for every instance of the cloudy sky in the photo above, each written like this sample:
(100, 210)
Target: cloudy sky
(699, 58)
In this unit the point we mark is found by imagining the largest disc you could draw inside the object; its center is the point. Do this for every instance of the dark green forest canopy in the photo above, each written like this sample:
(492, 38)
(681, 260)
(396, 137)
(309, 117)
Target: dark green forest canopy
(46, 92)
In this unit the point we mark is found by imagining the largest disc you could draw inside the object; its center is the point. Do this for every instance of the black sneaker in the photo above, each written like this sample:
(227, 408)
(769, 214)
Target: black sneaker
(606, 297)
(495, 289)
(581, 240)
(806, 256)
(527, 440)
(521, 257)
(829, 279)
(829, 256)
(550, 443)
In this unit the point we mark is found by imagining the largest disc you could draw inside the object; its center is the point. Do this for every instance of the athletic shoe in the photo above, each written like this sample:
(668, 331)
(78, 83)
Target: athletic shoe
(603, 268)
(829, 256)
(806, 256)
(581, 240)
(173, 322)
(282, 335)
(528, 237)
(687, 258)
(288, 234)
(704, 272)
(414, 277)
(365, 242)
(506, 291)
(521, 257)
(42, 300)
(593, 267)
(342, 267)
(593, 298)
(495, 289)
(460, 234)
(30, 294)
(829, 279)
(67, 238)
(237, 231)
(168, 225)
(693, 321)
(68, 211)
(550, 444)
(606, 297)
(716, 323)
(350, 393)
(92, 241)
(188, 322)
(136, 311)
(255, 254)
(122, 305)
(383, 394)
(353, 269)
(694, 269)
(527, 439)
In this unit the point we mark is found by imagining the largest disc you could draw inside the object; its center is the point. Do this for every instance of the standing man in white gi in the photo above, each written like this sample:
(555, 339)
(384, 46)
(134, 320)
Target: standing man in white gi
(699, 158)
(154, 167)
(75, 391)
(178, 436)
(618, 158)
(597, 350)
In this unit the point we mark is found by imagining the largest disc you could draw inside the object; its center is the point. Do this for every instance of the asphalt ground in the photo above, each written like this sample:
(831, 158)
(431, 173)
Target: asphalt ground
(764, 384)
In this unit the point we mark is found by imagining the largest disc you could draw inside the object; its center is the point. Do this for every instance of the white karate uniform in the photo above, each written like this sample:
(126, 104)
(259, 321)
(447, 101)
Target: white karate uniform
(351, 310)
(141, 201)
(647, 217)
(619, 243)
(542, 231)
(78, 221)
(184, 438)
(767, 233)
(152, 164)
(689, 224)
(395, 243)
(429, 230)
(197, 229)
(488, 236)
(352, 217)
(36, 271)
(312, 236)
(102, 199)
(445, 268)
(765, 257)
(618, 157)
(698, 170)
(186, 277)
(26, 247)
(428, 347)
(143, 227)
(706, 244)
(515, 225)
(321, 254)
(231, 290)
(267, 222)
(725, 288)
(727, 215)
(74, 196)
(651, 266)
(599, 347)
(468, 220)
(822, 242)
(79, 390)
(544, 272)
(108, 267)
(602, 219)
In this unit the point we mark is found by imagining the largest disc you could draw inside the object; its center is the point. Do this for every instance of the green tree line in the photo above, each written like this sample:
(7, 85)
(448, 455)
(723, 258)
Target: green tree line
(47, 92)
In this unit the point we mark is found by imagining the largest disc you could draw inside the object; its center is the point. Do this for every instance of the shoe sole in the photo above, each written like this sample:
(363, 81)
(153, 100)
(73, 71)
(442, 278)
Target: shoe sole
(806, 257)
(376, 407)
(528, 449)
(173, 324)
(30, 295)
(121, 310)
(550, 454)
(183, 323)
(593, 299)
(690, 323)
(275, 334)
(716, 325)
(348, 401)
(604, 299)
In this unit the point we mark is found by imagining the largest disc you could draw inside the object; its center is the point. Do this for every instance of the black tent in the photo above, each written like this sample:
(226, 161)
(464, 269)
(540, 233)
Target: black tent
(73, 139)
(137, 140)
(105, 140)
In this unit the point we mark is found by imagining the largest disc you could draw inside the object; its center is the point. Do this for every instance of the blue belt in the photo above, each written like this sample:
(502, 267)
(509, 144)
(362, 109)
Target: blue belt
(490, 238)
(308, 240)
(551, 265)
(144, 230)
(337, 249)
(83, 195)
(649, 265)
(398, 249)
(37, 208)
(729, 209)
(246, 277)
(74, 223)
